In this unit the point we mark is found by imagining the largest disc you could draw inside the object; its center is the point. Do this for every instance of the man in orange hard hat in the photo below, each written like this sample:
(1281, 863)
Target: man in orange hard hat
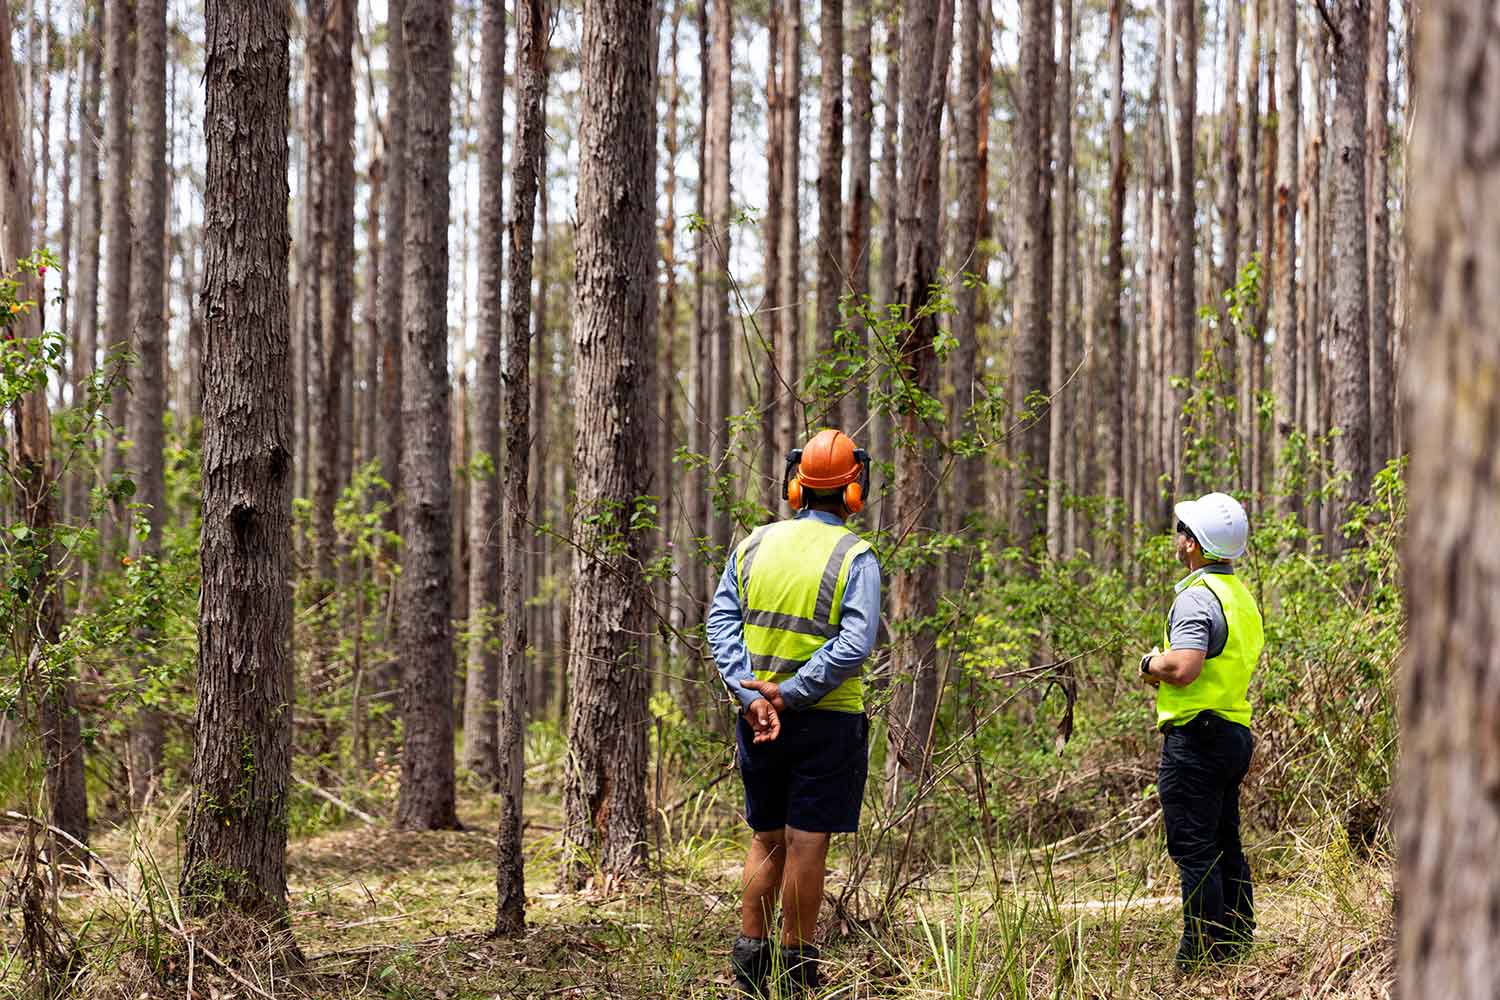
(794, 619)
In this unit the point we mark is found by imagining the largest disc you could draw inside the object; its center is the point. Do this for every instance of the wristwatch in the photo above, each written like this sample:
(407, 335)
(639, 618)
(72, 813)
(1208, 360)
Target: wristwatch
(1146, 664)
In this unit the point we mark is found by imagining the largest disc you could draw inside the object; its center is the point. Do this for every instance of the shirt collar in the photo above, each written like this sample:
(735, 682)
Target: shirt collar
(1224, 569)
(820, 515)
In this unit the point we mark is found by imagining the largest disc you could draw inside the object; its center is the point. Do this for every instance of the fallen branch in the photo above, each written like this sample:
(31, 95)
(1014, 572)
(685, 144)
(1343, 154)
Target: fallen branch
(364, 817)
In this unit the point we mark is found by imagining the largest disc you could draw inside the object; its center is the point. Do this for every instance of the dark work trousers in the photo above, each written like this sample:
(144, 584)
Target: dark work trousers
(1202, 765)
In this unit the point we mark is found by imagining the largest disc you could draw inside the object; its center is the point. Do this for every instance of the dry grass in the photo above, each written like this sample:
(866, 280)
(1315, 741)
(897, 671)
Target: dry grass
(378, 913)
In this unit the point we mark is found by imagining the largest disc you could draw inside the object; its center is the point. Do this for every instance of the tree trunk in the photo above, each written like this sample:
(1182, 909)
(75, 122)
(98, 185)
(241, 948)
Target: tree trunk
(119, 26)
(700, 406)
(856, 409)
(925, 55)
(1250, 339)
(1061, 416)
(531, 58)
(1033, 267)
(604, 797)
(830, 179)
(789, 336)
(1349, 348)
(90, 224)
(242, 757)
(148, 391)
(1377, 220)
(392, 294)
(486, 533)
(1449, 926)
(425, 587)
(1284, 361)
(1112, 367)
(335, 54)
(772, 391)
(1182, 77)
(721, 104)
(34, 475)
(1229, 216)
(890, 211)
(968, 262)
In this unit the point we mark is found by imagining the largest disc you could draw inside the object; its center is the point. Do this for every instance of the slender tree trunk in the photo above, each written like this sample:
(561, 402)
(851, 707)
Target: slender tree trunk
(1033, 270)
(890, 211)
(119, 24)
(1377, 220)
(772, 392)
(1112, 386)
(830, 175)
(1182, 77)
(531, 57)
(789, 336)
(336, 56)
(1229, 215)
(1284, 362)
(392, 294)
(425, 587)
(90, 224)
(242, 757)
(34, 475)
(547, 655)
(700, 430)
(970, 230)
(856, 409)
(1249, 339)
(148, 338)
(721, 102)
(1063, 406)
(1449, 926)
(1349, 348)
(926, 51)
(604, 799)
(487, 552)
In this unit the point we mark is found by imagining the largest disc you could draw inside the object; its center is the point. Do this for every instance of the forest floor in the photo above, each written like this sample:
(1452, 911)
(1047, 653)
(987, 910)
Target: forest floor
(380, 913)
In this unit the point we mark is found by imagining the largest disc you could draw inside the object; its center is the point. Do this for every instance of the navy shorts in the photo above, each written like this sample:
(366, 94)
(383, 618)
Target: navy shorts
(811, 777)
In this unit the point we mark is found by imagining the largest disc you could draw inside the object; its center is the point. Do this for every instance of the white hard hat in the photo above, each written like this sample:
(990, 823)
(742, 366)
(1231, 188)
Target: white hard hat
(1218, 522)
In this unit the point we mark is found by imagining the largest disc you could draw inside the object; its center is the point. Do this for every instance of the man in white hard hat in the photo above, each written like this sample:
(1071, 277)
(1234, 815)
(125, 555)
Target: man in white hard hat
(1213, 640)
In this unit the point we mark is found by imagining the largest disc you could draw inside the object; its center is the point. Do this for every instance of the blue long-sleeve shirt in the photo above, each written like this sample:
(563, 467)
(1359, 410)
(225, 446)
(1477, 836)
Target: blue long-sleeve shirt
(839, 658)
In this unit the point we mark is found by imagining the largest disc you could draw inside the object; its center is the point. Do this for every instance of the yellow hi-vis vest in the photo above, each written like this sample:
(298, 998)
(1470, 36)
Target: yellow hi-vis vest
(1223, 686)
(792, 576)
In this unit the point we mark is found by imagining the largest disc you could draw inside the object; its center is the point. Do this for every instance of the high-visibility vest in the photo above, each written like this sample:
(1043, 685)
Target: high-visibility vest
(1223, 686)
(792, 576)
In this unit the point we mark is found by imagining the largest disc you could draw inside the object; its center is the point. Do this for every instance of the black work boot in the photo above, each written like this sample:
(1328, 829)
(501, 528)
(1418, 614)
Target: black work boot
(799, 970)
(751, 960)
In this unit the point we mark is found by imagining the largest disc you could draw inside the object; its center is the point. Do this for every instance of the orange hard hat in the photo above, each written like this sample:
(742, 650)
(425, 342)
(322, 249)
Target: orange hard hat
(828, 461)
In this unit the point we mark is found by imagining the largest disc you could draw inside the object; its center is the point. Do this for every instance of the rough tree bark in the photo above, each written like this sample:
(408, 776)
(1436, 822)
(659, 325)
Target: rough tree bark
(1033, 270)
(890, 211)
(1377, 221)
(772, 447)
(1349, 347)
(392, 286)
(721, 104)
(486, 536)
(830, 175)
(425, 584)
(789, 335)
(335, 56)
(531, 58)
(925, 56)
(34, 473)
(1284, 360)
(1182, 100)
(972, 212)
(119, 58)
(1447, 816)
(148, 395)
(242, 755)
(1063, 407)
(604, 788)
(1113, 368)
(856, 408)
(90, 224)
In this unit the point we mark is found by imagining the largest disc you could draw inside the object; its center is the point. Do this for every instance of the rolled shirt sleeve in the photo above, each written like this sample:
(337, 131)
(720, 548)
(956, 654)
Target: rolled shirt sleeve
(842, 656)
(726, 635)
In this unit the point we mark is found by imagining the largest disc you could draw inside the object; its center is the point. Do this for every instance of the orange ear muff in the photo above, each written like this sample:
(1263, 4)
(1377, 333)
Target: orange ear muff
(794, 493)
(854, 497)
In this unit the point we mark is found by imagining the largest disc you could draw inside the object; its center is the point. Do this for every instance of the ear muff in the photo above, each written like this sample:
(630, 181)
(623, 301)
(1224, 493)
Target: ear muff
(794, 493)
(854, 497)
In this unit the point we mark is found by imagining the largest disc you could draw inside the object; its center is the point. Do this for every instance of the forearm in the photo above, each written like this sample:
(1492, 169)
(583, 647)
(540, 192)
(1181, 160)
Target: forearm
(1178, 667)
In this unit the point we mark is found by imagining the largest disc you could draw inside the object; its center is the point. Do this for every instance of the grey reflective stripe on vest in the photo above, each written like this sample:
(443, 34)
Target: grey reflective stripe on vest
(789, 623)
(775, 664)
(830, 582)
(750, 549)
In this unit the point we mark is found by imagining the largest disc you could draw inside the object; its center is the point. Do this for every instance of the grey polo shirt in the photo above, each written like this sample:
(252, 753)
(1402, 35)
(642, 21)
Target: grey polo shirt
(1197, 620)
